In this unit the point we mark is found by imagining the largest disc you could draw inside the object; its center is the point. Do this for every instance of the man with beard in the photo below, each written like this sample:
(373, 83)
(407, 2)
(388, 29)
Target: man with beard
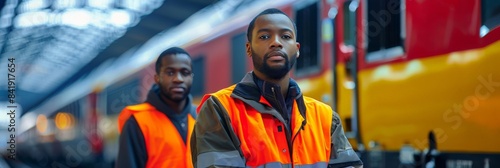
(156, 133)
(264, 120)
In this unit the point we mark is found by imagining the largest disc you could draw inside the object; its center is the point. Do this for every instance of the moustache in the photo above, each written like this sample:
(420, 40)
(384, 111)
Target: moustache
(275, 53)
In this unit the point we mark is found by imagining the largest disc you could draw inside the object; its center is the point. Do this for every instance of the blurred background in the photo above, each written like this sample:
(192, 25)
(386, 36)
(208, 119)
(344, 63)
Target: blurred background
(416, 82)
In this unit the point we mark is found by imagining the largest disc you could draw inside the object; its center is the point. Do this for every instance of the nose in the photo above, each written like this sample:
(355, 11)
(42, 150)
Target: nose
(276, 42)
(178, 77)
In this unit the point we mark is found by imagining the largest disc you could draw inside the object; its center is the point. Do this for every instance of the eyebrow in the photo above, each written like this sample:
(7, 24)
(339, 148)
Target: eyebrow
(268, 30)
(180, 68)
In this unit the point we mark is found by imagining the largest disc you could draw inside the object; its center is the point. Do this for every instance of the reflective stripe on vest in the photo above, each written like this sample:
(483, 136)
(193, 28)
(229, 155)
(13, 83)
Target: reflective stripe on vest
(227, 159)
(276, 164)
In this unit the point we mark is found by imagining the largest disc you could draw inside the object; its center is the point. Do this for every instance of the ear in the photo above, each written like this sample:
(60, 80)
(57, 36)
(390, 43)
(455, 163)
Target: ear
(249, 49)
(298, 49)
(157, 78)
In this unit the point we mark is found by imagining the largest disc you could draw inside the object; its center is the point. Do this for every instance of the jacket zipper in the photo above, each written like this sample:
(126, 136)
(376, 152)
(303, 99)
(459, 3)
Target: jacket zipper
(295, 136)
(287, 129)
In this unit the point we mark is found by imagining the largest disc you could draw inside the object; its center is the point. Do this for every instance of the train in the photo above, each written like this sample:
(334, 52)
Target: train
(415, 82)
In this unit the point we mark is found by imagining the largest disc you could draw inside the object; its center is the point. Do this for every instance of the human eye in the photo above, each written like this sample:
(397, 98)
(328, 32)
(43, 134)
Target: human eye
(170, 73)
(286, 36)
(186, 73)
(264, 36)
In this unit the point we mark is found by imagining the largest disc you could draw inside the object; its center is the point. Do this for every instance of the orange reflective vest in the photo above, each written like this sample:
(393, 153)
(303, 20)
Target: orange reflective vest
(164, 145)
(238, 127)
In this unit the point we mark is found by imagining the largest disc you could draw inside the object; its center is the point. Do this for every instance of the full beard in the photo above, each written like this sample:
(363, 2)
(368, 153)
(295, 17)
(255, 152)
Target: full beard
(273, 72)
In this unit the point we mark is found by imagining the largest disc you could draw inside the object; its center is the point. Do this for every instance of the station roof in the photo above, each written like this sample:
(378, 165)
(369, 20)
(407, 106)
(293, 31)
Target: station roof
(55, 43)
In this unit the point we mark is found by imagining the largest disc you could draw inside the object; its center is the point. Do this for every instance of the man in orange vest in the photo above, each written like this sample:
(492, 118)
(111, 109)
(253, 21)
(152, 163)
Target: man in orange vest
(156, 133)
(264, 120)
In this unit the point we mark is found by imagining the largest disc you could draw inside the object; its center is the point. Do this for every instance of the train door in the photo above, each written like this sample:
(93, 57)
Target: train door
(344, 15)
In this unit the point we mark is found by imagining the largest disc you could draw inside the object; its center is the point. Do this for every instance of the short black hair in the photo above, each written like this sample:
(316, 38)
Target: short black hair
(169, 51)
(266, 12)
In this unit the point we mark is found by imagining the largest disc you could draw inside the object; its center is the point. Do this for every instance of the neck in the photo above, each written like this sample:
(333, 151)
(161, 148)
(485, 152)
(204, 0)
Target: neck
(283, 82)
(176, 106)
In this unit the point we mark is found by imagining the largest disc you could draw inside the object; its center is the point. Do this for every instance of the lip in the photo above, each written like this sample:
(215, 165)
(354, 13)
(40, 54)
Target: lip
(275, 53)
(275, 56)
(177, 89)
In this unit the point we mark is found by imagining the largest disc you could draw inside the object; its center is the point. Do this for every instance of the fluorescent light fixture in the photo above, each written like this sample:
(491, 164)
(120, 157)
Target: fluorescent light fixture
(77, 18)
(120, 18)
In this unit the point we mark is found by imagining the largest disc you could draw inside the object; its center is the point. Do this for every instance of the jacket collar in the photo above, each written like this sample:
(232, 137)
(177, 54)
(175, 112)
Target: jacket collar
(248, 90)
(265, 87)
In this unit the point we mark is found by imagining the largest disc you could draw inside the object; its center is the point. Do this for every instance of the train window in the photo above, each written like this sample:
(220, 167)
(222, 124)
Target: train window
(307, 21)
(239, 59)
(385, 29)
(490, 16)
(121, 95)
(198, 87)
(349, 22)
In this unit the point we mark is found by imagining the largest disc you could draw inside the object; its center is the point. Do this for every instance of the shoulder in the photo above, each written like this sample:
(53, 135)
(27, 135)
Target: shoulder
(315, 103)
(218, 100)
(317, 108)
(131, 122)
(132, 110)
(224, 92)
(221, 95)
(136, 109)
(139, 107)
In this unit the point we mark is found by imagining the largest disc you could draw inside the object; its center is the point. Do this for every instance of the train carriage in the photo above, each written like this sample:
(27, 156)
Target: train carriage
(416, 82)
(415, 76)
